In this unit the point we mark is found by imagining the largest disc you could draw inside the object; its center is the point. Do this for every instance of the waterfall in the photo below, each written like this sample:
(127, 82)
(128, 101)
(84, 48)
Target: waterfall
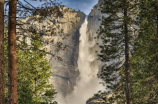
(88, 83)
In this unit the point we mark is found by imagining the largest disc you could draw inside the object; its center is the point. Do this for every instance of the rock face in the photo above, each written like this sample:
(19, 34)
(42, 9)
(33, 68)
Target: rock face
(93, 18)
(65, 71)
(61, 38)
(94, 23)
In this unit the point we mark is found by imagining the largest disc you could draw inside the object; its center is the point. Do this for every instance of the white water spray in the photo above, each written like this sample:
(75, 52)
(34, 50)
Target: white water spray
(88, 83)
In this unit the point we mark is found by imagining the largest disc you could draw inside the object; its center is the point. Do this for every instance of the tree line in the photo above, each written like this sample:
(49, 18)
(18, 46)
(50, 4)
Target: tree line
(129, 35)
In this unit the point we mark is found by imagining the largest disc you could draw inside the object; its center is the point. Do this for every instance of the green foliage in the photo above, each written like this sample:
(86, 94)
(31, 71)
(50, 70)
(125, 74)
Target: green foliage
(144, 57)
(144, 60)
(116, 23)
(33, 73)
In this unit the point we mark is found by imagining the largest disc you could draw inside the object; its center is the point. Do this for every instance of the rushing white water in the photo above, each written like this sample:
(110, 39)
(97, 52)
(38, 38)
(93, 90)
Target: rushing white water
(88, 83)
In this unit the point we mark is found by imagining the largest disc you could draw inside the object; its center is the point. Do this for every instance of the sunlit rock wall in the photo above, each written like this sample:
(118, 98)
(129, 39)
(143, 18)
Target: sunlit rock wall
(65, 71)
(61, 39)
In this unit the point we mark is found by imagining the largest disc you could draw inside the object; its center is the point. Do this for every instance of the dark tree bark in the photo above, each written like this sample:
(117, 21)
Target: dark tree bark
(1, 51)
(12, 68)
(127, 67)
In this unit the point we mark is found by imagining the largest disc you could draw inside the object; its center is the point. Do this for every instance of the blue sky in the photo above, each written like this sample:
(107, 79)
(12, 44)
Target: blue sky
(82, 5)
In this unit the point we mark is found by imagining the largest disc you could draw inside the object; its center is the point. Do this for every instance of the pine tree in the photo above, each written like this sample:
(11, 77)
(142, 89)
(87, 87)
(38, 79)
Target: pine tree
(32, 63)
(33, 73)
(116, 35)
(2, 52)
(144, 60)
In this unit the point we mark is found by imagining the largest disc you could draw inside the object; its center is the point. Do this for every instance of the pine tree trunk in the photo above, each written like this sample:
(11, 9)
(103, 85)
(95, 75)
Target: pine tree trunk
(12, 69)
(127, 68)
(1, 51)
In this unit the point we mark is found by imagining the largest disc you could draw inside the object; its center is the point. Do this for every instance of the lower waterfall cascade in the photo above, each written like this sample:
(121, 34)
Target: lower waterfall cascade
(88, 83)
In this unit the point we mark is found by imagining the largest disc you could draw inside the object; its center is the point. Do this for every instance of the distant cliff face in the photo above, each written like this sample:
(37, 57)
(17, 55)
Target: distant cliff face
(59, 31)
(94, 16)
(66, 72)
(94, 23)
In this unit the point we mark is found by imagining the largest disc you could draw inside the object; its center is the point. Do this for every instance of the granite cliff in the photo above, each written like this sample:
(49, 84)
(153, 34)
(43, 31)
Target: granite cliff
(60, 34)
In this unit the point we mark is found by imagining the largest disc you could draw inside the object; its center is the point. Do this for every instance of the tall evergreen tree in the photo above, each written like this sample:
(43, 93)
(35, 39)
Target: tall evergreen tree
(33, 72)
(32, 62)
(116, 35)
(1, 51)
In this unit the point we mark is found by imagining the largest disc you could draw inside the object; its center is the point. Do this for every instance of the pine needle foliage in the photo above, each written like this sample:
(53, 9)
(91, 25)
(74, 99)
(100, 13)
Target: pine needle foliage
(33, 72)
(116, 34)
(144, 60)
